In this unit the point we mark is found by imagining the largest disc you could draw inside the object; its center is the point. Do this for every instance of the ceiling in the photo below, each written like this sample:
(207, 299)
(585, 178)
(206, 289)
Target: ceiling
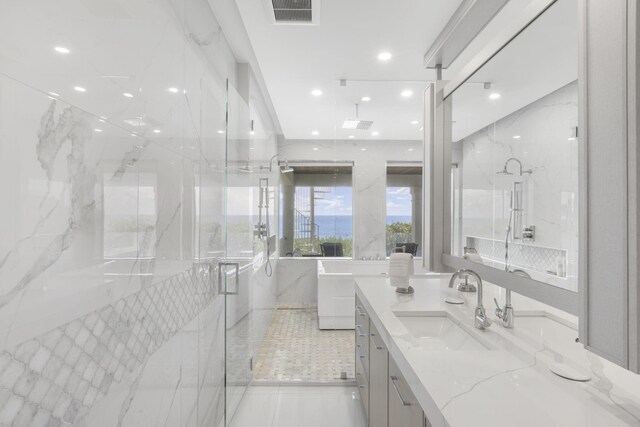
(297, 59)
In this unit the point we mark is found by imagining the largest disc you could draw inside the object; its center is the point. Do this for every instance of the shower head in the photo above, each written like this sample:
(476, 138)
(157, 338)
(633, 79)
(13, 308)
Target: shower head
(286, 168)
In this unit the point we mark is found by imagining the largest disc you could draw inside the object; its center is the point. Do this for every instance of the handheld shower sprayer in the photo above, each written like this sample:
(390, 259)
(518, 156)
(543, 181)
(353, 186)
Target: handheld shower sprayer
(263, 228)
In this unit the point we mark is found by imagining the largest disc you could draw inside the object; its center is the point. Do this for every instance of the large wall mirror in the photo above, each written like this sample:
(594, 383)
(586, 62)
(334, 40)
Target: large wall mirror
(514, 154)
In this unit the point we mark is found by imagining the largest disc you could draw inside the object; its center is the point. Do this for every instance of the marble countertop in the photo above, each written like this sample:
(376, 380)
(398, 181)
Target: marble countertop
(509, 383)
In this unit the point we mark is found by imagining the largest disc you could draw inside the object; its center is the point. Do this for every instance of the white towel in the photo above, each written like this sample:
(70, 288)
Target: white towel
(400, 269)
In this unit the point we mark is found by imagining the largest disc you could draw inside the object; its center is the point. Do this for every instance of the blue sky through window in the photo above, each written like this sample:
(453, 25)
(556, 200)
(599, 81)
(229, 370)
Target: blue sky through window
(398, 201)
(337, 202)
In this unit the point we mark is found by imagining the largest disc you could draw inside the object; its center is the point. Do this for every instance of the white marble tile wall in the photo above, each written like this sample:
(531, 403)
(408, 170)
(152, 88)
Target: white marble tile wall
(545, 145)
(297, 280)
(369, 181)
(112, 162)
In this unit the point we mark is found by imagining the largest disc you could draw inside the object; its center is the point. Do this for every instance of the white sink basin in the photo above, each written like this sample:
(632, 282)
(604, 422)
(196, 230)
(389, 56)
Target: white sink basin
(439, 333)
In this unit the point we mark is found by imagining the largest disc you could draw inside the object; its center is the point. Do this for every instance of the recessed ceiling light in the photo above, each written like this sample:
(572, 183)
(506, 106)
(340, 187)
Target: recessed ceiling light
(173, 89)
(316, 92)
(410, 149)
(406, 93)
(133, 134)
(375, 133)
(366, 98)
(127, 95)
(98, 130)
(384, 56)
(53, 94)
(220, 131)
(415, 122)
(516, 137)
(156, 131)
(79, 89)
(315, 148)
(351, 136)
(363, 149)
(494, 95)
(61, 49)
(315, 133)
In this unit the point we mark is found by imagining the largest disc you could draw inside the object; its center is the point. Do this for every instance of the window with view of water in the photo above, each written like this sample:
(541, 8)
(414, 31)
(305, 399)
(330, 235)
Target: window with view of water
(404, 209)
(317, 211)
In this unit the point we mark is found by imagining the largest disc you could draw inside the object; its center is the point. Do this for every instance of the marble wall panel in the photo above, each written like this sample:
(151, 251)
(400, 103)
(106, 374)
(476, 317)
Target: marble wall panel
(545, 144)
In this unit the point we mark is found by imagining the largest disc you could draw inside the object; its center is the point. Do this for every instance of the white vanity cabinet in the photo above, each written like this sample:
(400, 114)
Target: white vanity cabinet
(378, 380)
(386, 397)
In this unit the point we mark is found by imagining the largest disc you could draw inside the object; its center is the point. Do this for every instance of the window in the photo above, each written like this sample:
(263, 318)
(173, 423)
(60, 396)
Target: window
(317, 211)
(404, 208)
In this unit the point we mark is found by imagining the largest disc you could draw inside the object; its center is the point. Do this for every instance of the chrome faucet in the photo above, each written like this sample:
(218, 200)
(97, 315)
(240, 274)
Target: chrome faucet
(506, 313)
(481, 319)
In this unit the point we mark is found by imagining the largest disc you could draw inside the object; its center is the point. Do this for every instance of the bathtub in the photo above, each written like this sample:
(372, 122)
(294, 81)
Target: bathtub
(336, 288)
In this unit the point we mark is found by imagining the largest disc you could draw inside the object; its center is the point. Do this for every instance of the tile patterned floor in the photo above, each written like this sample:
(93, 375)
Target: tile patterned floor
(296, 350)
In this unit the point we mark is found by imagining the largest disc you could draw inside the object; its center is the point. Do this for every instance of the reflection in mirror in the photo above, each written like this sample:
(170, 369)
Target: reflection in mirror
(514, 175)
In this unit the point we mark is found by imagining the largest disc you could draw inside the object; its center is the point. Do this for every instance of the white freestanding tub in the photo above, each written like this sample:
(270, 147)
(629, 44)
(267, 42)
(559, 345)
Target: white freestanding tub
(336, 289)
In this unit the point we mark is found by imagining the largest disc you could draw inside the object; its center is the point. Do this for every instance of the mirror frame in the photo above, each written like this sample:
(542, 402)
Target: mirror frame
(559, 298)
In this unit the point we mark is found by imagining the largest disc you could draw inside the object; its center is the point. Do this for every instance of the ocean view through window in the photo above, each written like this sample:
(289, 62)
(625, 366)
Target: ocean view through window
(404, 209)
(317, 212)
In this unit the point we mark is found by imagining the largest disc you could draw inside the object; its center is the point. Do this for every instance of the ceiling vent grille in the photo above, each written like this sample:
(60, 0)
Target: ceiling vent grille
(296, 11)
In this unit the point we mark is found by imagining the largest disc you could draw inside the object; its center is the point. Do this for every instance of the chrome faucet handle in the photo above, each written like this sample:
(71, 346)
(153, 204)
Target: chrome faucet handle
(499, 310)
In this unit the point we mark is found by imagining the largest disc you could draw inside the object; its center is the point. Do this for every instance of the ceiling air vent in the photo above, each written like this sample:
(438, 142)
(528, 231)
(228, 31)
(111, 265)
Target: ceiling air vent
(292, 11)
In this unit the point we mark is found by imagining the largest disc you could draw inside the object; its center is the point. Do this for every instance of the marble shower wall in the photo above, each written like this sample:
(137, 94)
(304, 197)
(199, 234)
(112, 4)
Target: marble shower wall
(369, 181)
(546, 146)
(112, 159)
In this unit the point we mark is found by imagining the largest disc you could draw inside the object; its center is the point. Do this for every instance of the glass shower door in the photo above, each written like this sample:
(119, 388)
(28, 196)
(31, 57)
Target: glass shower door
(237, 268)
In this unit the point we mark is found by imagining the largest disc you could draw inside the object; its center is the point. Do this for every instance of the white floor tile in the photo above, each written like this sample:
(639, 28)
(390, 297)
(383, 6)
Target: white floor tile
(295, 406)
(256, 410)
(319, 408)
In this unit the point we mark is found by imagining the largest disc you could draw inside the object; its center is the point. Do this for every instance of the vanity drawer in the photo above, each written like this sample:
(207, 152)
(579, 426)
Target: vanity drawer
(362, 356)
(404, 409)
(378, 380)
(362, 318)
(363, 387)
(362, 336)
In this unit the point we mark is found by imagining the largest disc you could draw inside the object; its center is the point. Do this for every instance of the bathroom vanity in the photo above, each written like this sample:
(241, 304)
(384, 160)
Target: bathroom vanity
(421, 362)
